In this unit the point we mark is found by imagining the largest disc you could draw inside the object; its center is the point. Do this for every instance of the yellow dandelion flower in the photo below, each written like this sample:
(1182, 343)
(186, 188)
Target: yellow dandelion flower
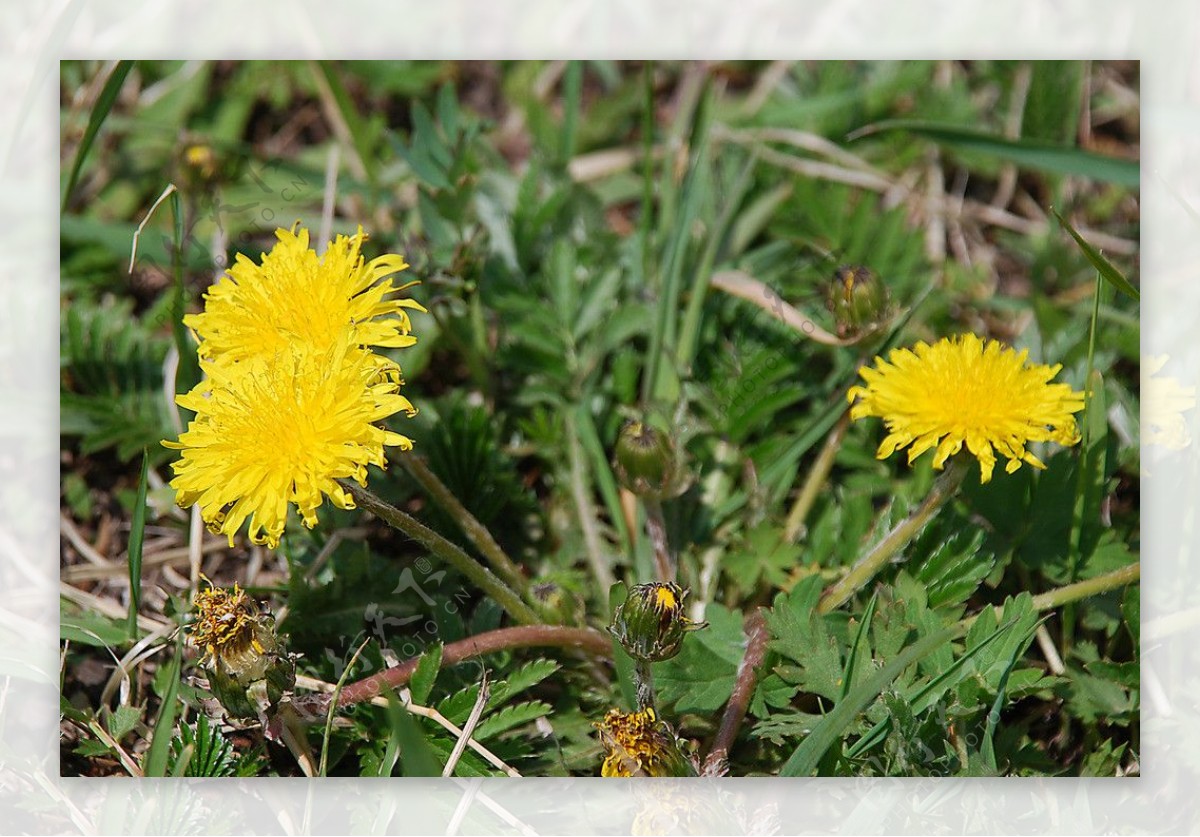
(297, 298)
(639, 744)
(966, 390)
(282, 430)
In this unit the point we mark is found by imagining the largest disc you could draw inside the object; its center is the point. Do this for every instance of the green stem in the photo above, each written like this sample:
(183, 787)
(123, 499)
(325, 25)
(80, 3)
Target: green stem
(870, 564)
(449, 552)
(1091, 587)
(579, 493)
(815, 479)
(644, 683)
(475, 531)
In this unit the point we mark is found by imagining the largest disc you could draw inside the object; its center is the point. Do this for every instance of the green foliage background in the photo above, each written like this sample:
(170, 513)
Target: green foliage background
(565, 221)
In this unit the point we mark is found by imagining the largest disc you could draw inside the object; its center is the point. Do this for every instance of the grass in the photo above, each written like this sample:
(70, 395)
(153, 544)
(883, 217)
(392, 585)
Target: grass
(576, 227)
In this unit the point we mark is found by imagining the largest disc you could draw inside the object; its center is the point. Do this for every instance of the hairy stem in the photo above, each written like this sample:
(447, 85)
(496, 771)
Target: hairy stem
(656, 529)
(815, 479)
(1090, 587)
(870, 564)
(475, 531)
(643, 681)
(743, 689)
(449, 552)
(525, 636)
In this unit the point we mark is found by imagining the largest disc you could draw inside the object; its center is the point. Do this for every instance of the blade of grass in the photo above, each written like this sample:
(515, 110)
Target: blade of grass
(694, 182)
(1103, 265)
(1043, 156)
(685, 349)
(155, 763)
(137, 535)
(988, 748)
(572, 90)
(856, 650)
(104, 103)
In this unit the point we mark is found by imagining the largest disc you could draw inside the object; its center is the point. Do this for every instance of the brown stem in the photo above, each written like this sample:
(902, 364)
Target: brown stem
(656, 528)
(523, 636)
(743, 689)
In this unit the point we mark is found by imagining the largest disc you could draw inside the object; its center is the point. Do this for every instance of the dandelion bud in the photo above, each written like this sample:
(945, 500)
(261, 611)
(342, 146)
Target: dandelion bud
(198, 164)
(650, 623)
(640, 744)
(645, 460)
(859, 301)
(249, 670)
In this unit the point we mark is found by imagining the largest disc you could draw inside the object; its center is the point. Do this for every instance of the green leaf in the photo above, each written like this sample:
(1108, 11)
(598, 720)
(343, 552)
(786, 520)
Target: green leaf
(799, 633)
(859, 661)
(155, 762)
(426, 672)
(510, 716)
(122, 720)
(1033, 154)
(104, 103)
(812, 749)
(701, 676)
(1103, 265)
(137, 533)
(417, 757)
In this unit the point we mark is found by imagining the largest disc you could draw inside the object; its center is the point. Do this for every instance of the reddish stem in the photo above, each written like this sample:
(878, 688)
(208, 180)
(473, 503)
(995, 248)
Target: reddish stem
(743, 689)
(522, 636)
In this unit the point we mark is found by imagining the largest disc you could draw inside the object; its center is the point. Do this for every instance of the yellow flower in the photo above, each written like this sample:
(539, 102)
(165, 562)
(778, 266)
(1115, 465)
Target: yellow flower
(297, 298)
(639, 744)
(969, 391)
(283, 429)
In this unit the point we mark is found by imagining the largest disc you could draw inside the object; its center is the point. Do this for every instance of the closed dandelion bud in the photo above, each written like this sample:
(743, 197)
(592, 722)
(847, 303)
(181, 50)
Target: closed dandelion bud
(249, 670)
(650, 624)
(645, 460)
(640, 744)
(859, 301)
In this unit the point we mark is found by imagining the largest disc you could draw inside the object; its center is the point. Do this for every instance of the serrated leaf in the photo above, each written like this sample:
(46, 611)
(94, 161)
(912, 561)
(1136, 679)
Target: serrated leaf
(510, 716)
(798, 633)
(700, 677)
(122, 720)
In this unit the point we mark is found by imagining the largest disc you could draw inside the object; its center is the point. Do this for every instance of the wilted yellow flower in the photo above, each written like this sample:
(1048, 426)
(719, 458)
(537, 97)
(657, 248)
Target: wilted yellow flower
(1164, 401)
(249, 670)
(966, 390)
(639, 744)
(282, 429)
(297, 298)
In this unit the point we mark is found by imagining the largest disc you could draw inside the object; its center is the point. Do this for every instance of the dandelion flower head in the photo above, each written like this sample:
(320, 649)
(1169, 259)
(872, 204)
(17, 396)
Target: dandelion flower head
(636, 744)
(295, 297)
(227, 626)
(967, 390)
(282, 429)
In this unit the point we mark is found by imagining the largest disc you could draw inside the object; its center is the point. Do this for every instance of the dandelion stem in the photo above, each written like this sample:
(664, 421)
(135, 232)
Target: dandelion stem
(743, 690)
(525, 636)
(475, 531)
(1090, 587)
(643, 682)
(815, 479)
(870, 564)
(587, 524)
(656, 529)
(449, 552)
